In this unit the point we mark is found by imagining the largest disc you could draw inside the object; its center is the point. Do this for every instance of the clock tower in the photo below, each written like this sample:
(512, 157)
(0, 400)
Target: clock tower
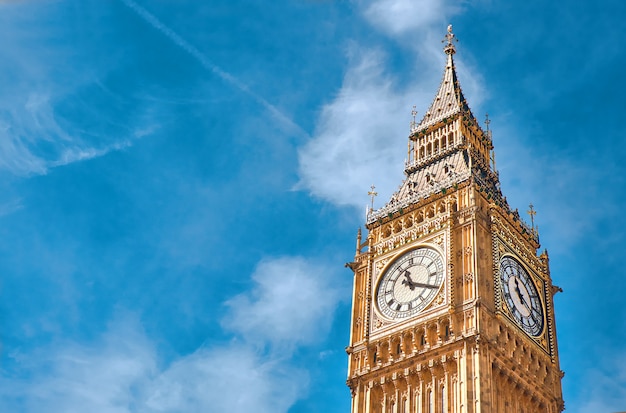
(452, 308)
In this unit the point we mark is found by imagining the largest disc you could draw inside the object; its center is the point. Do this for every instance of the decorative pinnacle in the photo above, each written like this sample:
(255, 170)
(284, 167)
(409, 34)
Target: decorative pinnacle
(487, 121)
(531, 211)
(413, 122)
(372, 194)
(449, 39)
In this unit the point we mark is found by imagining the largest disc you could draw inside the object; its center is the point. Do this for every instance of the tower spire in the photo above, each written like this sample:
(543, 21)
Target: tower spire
(449, 100)
(446, 148)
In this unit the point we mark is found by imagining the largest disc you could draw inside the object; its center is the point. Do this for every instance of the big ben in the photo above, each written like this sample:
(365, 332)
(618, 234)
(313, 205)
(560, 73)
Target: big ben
(452, 302)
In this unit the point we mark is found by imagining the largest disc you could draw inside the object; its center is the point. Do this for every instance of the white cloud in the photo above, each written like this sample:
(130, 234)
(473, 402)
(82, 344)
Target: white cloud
(358, 141)
(32, 141)
(20, 129)
(291, 302)
(76, 378)
(77, 154)
(39, 130)
(399, 17)
(233, 379)
(361, 136)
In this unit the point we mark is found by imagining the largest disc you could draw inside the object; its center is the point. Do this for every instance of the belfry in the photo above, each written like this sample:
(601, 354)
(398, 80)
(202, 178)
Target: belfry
(452, 307)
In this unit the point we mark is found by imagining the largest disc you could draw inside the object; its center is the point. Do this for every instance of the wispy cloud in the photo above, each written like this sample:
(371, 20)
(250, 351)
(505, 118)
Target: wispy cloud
(22, 128)
(41, 107)
(298, 305)
(291, 302)
(75, 378)
(228, 379)
(32, 140)
(9, 207)
(357, 136)
(77, 154)
(402, 17)
(360, 135)
(212, 67)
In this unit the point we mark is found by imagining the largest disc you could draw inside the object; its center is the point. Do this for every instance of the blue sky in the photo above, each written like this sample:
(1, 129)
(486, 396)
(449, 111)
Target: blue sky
(181, 183)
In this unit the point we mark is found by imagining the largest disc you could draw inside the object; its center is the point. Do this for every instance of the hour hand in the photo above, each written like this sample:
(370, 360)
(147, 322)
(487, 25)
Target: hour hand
(407, 281)
(519, 294)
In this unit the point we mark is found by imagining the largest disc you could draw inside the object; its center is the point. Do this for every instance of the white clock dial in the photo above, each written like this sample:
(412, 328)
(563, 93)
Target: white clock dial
(410, 283)
(521, 296)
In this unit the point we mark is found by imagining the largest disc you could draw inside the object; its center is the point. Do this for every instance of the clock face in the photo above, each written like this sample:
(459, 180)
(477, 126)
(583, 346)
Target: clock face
(410, 283)
(521, 296)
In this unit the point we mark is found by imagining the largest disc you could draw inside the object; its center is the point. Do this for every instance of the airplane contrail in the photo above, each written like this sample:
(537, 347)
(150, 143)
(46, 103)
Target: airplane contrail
(207, 64)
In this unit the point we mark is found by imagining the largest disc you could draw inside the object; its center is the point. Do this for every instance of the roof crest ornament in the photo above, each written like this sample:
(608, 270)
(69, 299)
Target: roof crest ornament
(413, 122)
(449, 39)
(492, 153)
(531, 212)
(372, 193)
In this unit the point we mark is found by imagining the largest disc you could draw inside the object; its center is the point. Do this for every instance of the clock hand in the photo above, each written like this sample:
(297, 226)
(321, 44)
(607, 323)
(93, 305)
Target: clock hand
(521, 297)
(425, 285)
(408, 281)
(407, 274)
(412, 284)
(519, 293)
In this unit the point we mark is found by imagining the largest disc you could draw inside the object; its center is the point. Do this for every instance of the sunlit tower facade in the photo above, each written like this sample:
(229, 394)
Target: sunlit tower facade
(452, 305)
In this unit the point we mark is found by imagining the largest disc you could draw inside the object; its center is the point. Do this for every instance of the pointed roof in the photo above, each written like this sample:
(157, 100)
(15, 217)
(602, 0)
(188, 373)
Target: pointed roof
(449, 99)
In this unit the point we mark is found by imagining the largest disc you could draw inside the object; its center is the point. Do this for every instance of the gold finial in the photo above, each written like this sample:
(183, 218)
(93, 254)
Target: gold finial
(413, 122)
(492, 154)
(532, 214)
(449, 38)
(372, 194)
(487, 123)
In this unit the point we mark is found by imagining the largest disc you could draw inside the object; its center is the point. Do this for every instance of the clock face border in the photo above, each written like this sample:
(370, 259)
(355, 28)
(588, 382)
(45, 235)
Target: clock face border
(523, 300)
(419, 287)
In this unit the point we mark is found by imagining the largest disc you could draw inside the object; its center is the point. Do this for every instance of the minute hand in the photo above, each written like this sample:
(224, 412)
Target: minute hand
(425, 285)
